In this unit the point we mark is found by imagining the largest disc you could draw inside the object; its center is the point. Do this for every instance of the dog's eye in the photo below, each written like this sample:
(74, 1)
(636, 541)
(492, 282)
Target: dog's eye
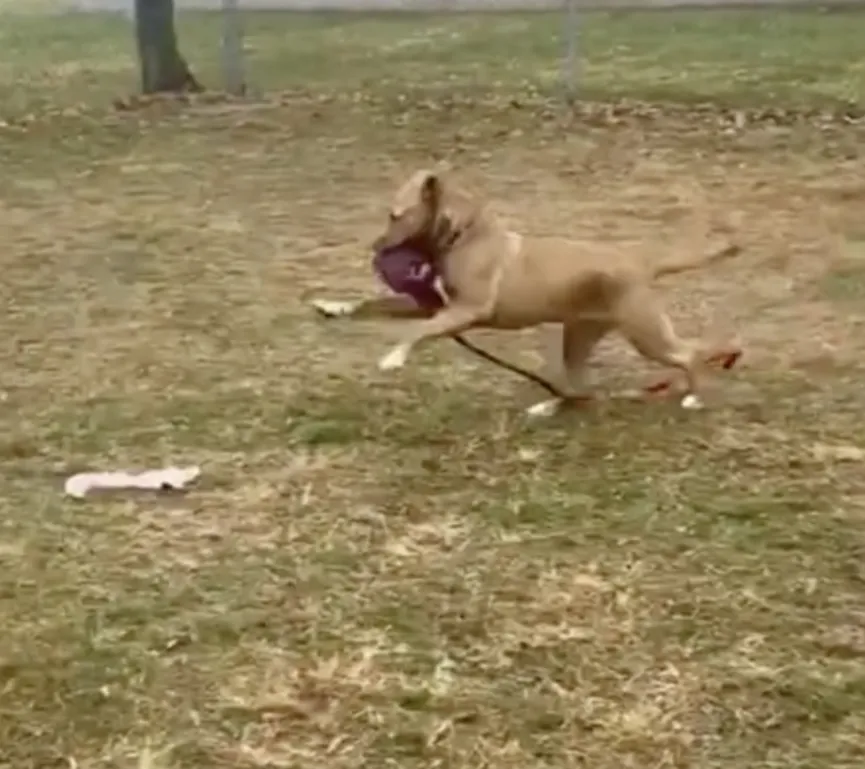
(393, 217)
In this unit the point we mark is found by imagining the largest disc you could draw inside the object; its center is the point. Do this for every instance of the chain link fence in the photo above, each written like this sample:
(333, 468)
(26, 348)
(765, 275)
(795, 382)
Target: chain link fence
(578, 48)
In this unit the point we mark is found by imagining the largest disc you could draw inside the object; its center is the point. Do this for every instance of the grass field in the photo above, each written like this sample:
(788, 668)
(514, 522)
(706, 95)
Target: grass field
(400, 570)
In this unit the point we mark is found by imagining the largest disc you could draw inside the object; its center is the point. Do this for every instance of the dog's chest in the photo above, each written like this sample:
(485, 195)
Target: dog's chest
(461, 279)
(446, 287)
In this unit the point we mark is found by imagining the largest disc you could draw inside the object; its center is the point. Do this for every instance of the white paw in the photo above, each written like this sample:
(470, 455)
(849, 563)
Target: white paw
(544, 408)
(395, 359)
(692, 402)
(331, 308)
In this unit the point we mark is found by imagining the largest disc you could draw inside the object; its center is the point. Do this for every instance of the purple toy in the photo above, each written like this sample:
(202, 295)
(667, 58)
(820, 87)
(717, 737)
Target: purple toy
(407, 271)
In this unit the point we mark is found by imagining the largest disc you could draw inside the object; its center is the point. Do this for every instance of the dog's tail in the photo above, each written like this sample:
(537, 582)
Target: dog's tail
(683, 264)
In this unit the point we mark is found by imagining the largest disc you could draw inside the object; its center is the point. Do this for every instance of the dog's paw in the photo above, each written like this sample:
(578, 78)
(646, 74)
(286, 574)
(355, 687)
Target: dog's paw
(692, 402)
(545, 408)
(395, 359)
(331, 308)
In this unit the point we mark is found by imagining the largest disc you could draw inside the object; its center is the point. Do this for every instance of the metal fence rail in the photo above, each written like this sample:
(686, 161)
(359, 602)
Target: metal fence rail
(439, 5)
(235, 73)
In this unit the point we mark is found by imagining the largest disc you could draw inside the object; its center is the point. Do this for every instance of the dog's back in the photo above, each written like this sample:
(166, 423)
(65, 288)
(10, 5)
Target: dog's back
(551, 279)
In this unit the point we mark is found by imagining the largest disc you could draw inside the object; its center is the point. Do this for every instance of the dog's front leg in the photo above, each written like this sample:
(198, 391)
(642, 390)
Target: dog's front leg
(396, 307)
(579, 339)
(453, 319)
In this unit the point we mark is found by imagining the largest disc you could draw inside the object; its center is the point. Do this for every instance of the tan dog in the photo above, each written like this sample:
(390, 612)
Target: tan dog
(499, 279)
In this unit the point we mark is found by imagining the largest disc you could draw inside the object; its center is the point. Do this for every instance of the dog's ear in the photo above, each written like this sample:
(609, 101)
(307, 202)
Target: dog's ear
(431, 191)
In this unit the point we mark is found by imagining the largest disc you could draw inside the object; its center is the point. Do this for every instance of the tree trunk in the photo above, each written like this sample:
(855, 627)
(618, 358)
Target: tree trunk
(163, 69)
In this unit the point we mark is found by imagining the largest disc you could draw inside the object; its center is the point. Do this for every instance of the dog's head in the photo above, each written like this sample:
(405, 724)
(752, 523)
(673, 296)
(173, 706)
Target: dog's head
(427, 214)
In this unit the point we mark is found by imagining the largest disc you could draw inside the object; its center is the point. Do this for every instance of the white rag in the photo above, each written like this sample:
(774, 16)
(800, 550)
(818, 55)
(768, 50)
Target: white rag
(169, 478)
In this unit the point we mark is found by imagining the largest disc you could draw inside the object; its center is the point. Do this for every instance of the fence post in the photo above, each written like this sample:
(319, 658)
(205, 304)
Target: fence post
(571, 60)
(232, 49)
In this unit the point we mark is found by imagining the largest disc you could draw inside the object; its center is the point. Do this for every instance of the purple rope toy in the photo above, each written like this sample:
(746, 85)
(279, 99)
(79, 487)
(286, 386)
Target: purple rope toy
(406, 271)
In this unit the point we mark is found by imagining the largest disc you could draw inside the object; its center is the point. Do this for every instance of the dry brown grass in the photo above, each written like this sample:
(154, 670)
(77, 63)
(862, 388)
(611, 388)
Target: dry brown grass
(397, 570)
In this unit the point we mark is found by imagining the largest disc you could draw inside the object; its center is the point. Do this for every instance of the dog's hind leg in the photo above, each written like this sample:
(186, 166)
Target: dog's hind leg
(579, 338)
(649, 329)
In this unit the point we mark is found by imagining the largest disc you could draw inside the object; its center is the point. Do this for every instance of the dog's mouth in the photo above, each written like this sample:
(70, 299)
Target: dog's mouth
(433, 243)
(419, 244)
(422, 245)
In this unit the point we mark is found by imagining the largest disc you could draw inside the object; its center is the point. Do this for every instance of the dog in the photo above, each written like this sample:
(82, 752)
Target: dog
(496, 278)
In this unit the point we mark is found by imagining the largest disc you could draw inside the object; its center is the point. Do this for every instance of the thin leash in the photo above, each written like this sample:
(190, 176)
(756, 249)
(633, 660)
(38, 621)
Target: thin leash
(512, 367)
(725, 360)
